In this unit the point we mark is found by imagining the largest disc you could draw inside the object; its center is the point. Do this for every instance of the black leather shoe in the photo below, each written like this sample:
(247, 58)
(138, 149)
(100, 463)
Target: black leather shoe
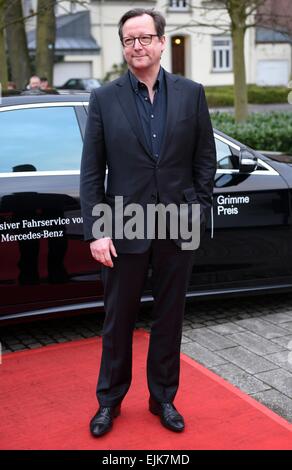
(102, 421)
(169, 416)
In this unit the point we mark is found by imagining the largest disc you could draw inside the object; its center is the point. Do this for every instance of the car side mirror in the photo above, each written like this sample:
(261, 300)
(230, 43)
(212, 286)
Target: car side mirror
(248, 162)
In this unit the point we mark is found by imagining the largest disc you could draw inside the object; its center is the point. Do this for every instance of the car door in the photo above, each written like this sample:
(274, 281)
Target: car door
(248, 242)
(44, 261)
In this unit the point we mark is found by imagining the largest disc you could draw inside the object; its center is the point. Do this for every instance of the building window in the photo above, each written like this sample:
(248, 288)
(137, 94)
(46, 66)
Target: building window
(178, 5)
(222, 54)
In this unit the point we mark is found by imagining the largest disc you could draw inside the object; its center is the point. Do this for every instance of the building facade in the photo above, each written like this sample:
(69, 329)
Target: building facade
(199, 43)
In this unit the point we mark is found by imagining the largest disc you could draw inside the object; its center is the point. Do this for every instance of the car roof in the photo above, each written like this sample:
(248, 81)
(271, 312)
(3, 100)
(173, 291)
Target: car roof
(44, 98)
(87, 78)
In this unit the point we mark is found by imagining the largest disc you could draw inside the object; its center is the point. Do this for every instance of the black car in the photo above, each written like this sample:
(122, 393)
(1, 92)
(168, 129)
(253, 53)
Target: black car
(46, 267)
(86, 84)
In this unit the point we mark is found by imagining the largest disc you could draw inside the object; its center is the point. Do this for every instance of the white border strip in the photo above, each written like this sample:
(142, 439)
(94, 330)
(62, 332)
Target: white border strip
(226, 141)
(46, 104)
(39, 173)
(270, 171)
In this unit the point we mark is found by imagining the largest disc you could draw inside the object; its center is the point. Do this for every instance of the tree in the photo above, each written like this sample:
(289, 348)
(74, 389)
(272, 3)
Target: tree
(16, 43)
(12, 33)
(46, 32)
(276, 15)
(116, 71)
(239, 12)
(245, 14)
(241, 15)
(3, 62)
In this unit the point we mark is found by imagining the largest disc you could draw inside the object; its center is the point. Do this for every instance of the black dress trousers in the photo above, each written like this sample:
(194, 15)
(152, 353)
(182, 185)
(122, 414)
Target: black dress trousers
(123, 288)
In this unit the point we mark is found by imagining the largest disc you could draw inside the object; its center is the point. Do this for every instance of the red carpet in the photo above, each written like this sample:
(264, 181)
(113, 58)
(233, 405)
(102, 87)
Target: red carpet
(47, 397)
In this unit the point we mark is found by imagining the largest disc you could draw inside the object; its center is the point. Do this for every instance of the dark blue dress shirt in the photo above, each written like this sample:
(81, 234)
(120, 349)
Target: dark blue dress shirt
(152, 115)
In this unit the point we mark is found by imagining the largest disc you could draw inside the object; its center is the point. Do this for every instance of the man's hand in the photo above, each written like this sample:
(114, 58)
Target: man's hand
(102, 249)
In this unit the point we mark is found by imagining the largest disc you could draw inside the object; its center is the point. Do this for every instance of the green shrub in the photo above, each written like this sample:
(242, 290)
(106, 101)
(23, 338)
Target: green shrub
(263, 95)
(220, 96)
(224, 95)
(262, 131)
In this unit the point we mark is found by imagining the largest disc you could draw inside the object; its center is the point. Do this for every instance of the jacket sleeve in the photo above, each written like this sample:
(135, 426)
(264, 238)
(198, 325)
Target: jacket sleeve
(93, 166)
(204, 158)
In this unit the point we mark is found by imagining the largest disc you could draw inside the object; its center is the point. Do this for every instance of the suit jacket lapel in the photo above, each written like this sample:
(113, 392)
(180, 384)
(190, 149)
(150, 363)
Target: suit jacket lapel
(173, 103)
(127, 101)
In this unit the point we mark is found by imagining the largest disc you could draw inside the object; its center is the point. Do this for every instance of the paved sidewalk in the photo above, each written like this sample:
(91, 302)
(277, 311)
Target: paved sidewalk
(247, 341)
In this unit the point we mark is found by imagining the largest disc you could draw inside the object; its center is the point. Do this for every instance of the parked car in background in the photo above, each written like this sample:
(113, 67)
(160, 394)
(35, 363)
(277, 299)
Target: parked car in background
(86, 84)
(46, 267)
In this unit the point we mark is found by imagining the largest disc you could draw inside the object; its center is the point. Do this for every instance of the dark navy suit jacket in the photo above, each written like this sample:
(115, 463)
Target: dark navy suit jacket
(114, 139)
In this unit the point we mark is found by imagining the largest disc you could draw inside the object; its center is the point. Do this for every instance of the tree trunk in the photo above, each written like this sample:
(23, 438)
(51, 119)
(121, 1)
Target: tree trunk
(17, 44)
(46, 32)
(240, 87)
(3, 61)
(237, 12)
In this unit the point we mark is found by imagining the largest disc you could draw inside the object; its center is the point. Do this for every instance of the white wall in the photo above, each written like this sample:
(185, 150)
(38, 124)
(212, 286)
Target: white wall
(198, 42)
(63, 71)
(270, 57)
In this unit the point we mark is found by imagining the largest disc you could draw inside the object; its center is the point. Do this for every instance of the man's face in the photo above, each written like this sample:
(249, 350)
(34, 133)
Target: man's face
(34, 82)
(44, 84)
(140, 57)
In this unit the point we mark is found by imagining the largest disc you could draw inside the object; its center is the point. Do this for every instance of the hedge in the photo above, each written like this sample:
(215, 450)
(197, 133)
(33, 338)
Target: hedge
(224, 95)
(262, 131)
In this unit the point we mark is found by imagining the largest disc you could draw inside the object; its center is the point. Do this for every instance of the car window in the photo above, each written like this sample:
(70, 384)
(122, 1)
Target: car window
(39, 139)
(92, 83)
(225, 157)
(71, 83)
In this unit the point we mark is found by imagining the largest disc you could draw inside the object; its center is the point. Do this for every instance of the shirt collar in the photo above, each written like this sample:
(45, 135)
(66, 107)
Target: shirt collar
(136, 83)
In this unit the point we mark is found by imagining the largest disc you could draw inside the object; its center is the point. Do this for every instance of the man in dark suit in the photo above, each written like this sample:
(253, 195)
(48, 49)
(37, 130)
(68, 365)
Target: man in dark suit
(152, 130)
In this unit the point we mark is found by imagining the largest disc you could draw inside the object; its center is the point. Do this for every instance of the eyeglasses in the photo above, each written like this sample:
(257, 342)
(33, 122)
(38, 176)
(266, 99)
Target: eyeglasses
(143, 40)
